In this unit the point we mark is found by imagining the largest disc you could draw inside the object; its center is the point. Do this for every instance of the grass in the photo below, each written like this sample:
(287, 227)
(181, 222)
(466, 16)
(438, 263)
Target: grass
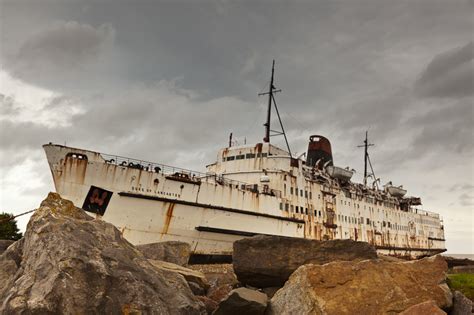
(463, 282)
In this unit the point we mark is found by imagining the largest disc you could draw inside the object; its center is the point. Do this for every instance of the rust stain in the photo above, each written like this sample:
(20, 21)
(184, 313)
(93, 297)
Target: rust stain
(169, 216)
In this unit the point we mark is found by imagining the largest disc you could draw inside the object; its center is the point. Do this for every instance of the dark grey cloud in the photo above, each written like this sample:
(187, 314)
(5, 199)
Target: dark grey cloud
(449, 74)
(65, 52)
(168, 81)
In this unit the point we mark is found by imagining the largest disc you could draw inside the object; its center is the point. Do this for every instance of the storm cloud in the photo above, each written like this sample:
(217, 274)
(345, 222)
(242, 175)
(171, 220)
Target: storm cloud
(168, 81)
(450, 74)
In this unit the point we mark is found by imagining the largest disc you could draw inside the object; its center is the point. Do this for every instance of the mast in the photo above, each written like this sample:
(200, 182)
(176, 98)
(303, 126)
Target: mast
(269, 109)
(271, 97)
(366, 146)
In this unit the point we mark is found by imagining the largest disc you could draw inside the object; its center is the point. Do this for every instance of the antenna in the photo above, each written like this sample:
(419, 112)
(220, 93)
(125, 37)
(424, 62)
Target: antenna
(366, 145)
(271, 98)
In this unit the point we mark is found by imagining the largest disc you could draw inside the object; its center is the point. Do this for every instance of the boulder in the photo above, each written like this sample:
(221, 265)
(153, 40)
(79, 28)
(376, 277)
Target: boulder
(268, 261)
(217, 274)
(71, 263)
(461, 305)
(4, 245)
(243, 301)
(221, 278)
(270, 291)
(366, 287)
(219, 293)
(425, 308)
(210, 305)
(173, 251)
(190, 275)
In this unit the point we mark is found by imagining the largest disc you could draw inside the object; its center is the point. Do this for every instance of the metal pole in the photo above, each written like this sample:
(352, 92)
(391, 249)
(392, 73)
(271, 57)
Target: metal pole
(269, 109)
(365, 158)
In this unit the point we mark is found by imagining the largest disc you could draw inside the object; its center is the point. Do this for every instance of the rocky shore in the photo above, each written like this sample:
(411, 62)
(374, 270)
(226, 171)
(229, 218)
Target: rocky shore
(70, 263)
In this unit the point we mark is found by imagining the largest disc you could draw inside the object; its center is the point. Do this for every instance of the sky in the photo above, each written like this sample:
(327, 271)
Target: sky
(167, 81)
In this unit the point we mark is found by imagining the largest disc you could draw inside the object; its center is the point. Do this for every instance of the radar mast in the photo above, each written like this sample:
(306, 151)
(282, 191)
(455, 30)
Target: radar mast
(271, 99)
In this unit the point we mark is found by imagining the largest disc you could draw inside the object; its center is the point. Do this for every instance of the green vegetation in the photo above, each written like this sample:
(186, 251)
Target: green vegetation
(463, 282)
(8, 228)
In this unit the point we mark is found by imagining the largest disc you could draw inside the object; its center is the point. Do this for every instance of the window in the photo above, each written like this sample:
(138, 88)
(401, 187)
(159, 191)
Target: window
(286, 207)
(281, 206)
(368, 221)
(264, 155)
(310, 195)
(301, 192)
(315, 213)
(306, 194)
(249, 155)
(306, 210)
(319, 213)
(240, 157)
(230, 158)
(296, 209)
(291, 190)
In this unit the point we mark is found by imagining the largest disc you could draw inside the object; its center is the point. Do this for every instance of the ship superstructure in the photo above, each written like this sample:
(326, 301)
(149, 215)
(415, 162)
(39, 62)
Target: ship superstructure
(248, 190)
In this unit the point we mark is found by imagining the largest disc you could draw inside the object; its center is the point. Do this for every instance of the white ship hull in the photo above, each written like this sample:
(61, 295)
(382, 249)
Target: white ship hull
(210, 213)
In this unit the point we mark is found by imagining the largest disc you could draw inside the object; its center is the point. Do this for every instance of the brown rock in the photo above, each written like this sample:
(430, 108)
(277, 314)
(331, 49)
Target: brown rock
(267, 261)
(73, 264)
(221, 279)
(188, 274)
(219, 293)
(210, 305)
(366, 287)
(425, 308)
(4, 245)
(243, 301)
(217, 274)
(270, 291)
(461, 305)
(173, 251)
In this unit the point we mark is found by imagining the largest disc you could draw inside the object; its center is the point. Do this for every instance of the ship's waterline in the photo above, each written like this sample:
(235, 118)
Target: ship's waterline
(249, 190)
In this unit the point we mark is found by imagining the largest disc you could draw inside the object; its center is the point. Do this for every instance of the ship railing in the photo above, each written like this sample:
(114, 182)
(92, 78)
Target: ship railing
(170, 170)
(424, 212)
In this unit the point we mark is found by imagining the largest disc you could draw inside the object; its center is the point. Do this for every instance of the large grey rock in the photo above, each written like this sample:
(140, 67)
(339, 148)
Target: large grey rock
(243, 301)
(461, 305)
(365, 287)
(173, 251)
(4, 245)
(268, 261)
(71, 263)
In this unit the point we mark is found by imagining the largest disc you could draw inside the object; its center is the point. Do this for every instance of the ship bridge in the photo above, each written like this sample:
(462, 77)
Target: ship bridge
(252, 159)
